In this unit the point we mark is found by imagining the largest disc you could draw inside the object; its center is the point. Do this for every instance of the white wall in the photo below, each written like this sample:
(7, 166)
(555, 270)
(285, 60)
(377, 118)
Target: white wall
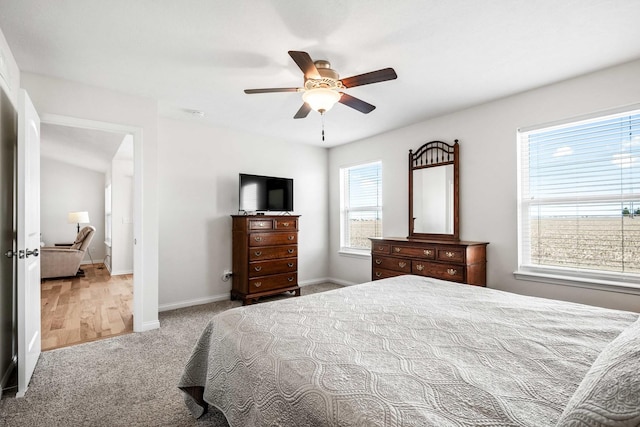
(71, 99)
(198, 170)
(488, 175)
(66, 188)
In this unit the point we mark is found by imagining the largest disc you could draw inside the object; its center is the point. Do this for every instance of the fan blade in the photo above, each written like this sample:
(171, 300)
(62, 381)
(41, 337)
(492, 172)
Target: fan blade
(305, 63)
(303, 111)
(356, 104)
(368, 78)
(274, 89)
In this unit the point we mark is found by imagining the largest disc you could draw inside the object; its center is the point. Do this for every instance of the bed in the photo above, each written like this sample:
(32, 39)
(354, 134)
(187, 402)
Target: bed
(416, 351)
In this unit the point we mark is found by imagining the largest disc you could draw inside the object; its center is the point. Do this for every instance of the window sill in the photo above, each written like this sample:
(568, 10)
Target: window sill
(354, 253)
(600, 284)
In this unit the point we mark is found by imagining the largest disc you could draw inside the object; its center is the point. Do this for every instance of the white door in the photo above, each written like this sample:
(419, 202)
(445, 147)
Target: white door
(28, 219)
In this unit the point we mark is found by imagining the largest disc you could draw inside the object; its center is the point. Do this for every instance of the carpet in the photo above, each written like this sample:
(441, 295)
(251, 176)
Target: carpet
(128, 380)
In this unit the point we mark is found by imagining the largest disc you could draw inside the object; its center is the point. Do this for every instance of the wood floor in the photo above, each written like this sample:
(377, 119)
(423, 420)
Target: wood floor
(81, 309)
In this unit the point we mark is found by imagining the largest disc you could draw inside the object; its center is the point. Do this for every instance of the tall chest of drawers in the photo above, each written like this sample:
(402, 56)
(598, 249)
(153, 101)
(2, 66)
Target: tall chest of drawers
(265, 256)
(457, 261)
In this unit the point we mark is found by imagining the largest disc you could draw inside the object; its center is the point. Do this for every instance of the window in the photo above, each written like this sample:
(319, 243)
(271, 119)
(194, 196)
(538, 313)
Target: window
(107, 215)
(579, 200)
(360, 206)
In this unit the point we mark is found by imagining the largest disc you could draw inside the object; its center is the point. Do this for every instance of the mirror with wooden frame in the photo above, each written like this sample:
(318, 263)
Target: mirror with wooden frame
(434, 192)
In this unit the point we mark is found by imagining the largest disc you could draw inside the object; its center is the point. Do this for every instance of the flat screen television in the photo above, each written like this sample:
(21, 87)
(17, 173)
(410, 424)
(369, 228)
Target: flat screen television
(265, 193)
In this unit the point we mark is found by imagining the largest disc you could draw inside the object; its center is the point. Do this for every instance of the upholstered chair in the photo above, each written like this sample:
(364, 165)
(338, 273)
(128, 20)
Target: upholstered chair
(65, 261)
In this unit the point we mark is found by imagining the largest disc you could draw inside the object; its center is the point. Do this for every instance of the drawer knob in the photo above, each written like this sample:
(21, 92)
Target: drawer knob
(258, 239)
(378, 274)
(419, 267)
(261, 224)
(381, 248)
(257, 253)
(452, 271)
(291, 237)
(290, 265)
(378, 261)
(257, 284)
(449, 254)
(290, 279)
(258, 268)
(286, 224)
(290, 251)
(402, 264)
(396, 250)
(427, 252)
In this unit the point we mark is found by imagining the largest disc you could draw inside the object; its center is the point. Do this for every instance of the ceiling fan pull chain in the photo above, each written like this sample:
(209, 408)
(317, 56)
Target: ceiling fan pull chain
(322, 117)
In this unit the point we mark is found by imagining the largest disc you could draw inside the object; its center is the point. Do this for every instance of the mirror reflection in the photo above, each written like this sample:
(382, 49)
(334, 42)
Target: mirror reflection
(433, 200)
(434, 191)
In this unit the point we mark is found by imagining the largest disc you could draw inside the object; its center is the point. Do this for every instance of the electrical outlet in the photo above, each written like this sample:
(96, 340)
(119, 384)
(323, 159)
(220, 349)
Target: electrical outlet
(226, 274)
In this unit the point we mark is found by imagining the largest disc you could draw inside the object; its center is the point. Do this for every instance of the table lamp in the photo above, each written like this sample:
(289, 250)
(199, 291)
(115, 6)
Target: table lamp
(78, 218)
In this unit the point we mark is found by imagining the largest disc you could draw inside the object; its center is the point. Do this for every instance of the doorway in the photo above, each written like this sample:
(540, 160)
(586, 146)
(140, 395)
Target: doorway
(101, 261)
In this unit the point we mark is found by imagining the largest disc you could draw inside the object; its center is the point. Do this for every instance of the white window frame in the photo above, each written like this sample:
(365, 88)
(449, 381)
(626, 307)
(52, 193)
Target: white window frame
(108, 226)
(593, 279)
(345, 209)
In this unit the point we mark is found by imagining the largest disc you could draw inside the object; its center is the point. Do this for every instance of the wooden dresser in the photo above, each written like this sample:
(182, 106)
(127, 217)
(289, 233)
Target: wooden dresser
(265, 256)
(457, 261)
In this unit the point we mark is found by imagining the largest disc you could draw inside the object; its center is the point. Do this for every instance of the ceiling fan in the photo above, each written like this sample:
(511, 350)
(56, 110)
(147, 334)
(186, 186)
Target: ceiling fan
(323, 86)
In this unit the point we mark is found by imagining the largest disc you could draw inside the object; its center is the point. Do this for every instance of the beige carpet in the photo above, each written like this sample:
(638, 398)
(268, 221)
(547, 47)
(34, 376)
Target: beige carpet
(129, 380)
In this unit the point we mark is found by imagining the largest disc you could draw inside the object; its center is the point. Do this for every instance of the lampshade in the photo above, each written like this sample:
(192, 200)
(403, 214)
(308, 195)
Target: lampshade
(78, 218)
(321, 99)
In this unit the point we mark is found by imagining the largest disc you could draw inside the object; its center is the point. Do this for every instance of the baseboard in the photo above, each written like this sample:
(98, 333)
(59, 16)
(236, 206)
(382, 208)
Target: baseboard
(325, 280)
(313, 282)
(5, 378)
(120, 272)
(226, 296)
(197, 301)
(341, 282)
(149, 326)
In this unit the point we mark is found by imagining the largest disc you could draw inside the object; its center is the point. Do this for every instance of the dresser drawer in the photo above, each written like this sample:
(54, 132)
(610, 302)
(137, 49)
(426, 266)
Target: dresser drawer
(260, 224)
(426, 253)
(260, 253)
(451, 254)
(277, 281)
(380, 248)
(380, 273)
(264, 268)
(455, 273)
(286, 224)
(271, 239)
(457, 261)
(388, 263)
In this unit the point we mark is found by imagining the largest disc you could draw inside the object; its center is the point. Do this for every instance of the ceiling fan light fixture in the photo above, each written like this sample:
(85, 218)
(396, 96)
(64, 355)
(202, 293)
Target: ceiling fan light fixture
(321, 99)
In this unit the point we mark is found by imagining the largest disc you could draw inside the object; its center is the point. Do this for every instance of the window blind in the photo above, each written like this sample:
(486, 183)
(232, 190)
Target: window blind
(361, 213)
(579, 196)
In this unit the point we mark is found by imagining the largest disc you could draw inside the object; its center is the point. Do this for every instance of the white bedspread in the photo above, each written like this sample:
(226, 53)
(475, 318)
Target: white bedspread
(406, 351)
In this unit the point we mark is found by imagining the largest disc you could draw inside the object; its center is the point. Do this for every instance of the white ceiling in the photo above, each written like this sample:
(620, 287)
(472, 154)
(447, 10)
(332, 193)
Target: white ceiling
(201, 54)
(86, 148)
